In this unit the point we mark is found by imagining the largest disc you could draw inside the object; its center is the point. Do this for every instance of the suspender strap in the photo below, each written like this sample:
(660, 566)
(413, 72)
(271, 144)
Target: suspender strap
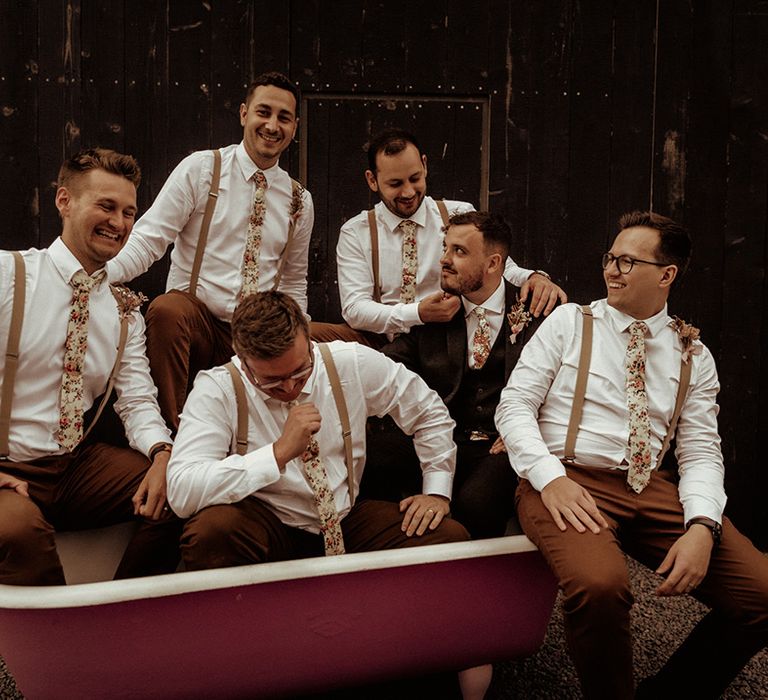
(341, 408)
(241, 436)
(113, 374)
(443, 211)
(585, 357)
(375, 255)
(295, 192)
(581, 387)
(12, 349)
(375, 245)
(338, 397)
(210, 205)
(682, 391)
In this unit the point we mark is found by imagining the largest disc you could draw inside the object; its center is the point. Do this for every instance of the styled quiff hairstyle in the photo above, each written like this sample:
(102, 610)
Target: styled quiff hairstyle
(265, 325)
(674, 240)
(98, 159)
(497, 234)
(390, 142)
(278, 80)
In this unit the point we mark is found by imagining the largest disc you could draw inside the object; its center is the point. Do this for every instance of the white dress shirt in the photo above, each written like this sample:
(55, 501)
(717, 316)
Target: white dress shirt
(204, 470)
(355, 271)
(176, 216)
(35, 408)
(542, 385)
(494, 314)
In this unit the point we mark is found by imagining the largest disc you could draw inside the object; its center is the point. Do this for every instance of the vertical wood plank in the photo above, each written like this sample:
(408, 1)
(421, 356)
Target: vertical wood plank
(189, 62)
(102, 74)
(18, 126)
(742, 366)
(59, 116)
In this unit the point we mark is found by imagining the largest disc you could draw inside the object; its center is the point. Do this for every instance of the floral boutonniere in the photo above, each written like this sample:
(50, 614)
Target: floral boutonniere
(127, 300)
(297, 203)
(518, 318)
(688, 336)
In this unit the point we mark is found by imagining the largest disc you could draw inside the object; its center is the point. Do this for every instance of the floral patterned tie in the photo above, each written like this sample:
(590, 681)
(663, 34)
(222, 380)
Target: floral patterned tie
(250, 268)
(410, 262)
(330, 523)
(70, 430)
(639, 472)
(481, 340)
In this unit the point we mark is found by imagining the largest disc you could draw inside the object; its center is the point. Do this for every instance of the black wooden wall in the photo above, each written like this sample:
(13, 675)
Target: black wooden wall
(561, 114)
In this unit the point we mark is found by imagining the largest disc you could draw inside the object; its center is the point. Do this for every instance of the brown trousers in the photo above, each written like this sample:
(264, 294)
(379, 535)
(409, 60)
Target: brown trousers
(326, 332)
(183, 337)
(91, 487)
(248, 532)
(592, 573)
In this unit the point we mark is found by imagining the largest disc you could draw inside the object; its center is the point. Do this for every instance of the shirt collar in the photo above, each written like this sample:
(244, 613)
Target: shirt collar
(67, 264)
(393, 220)
(248, 167)
(494, 303)
(622, 321)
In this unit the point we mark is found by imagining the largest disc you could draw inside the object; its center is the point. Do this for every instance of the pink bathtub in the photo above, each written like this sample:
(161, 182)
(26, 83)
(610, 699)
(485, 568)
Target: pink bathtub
(280, 629)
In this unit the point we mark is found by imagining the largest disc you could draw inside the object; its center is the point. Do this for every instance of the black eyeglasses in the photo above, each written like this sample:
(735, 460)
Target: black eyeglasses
(625, 264)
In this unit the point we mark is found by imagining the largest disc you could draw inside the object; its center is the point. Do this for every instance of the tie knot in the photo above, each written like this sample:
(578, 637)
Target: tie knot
(260, 180)
(407, 226)
(480, 312)
(81, 280)
(638, 328)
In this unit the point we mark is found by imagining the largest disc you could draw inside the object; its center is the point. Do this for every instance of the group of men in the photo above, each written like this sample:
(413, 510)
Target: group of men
(248, 425)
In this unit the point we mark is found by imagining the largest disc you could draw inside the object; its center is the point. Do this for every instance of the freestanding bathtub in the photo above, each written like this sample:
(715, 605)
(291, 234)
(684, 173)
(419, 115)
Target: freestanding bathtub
(282, 629)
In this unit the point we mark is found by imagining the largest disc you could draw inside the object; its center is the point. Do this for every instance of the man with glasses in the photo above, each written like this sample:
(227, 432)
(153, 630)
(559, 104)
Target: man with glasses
(587, 436)
(291, 492)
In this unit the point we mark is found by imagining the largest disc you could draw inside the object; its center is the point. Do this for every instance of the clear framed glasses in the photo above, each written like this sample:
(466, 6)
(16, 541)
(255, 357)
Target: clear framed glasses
(625, 264)
(273, 383)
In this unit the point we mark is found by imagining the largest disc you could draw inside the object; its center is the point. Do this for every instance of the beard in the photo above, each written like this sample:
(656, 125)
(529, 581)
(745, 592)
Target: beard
(461, 286)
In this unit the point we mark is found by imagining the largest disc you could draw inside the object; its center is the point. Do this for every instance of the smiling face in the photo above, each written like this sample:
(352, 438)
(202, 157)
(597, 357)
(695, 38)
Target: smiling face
(400, 180)
(269, 124)
(643, 291)
(98, 210)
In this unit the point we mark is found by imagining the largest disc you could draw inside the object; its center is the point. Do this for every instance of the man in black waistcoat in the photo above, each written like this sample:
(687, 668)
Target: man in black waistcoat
(467, 361)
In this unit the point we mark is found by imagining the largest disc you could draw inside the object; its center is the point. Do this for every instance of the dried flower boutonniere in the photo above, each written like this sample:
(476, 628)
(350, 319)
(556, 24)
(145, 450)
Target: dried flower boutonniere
(518, 318)
(127, 300)
(297, 202)
(688, 336)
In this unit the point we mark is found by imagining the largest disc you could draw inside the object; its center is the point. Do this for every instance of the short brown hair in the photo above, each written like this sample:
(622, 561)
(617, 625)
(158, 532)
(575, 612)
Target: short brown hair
(265, 325)
(497, 234)
(674, 240)
(279, 81)
(99, 159)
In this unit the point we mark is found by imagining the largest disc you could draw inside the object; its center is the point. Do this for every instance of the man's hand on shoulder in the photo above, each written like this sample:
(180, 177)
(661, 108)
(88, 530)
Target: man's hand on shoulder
(569, 502)
(438, 307)
(11, 482)
(422, 512)
(544, 294)
(687, 562)
(303, 421)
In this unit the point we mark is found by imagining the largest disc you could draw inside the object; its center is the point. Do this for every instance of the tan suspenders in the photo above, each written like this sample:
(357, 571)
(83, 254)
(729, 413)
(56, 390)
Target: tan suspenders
(373, 228)
(579, 392)
(241, 436)
(210, 205)
(12, 356)
(12, 350)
